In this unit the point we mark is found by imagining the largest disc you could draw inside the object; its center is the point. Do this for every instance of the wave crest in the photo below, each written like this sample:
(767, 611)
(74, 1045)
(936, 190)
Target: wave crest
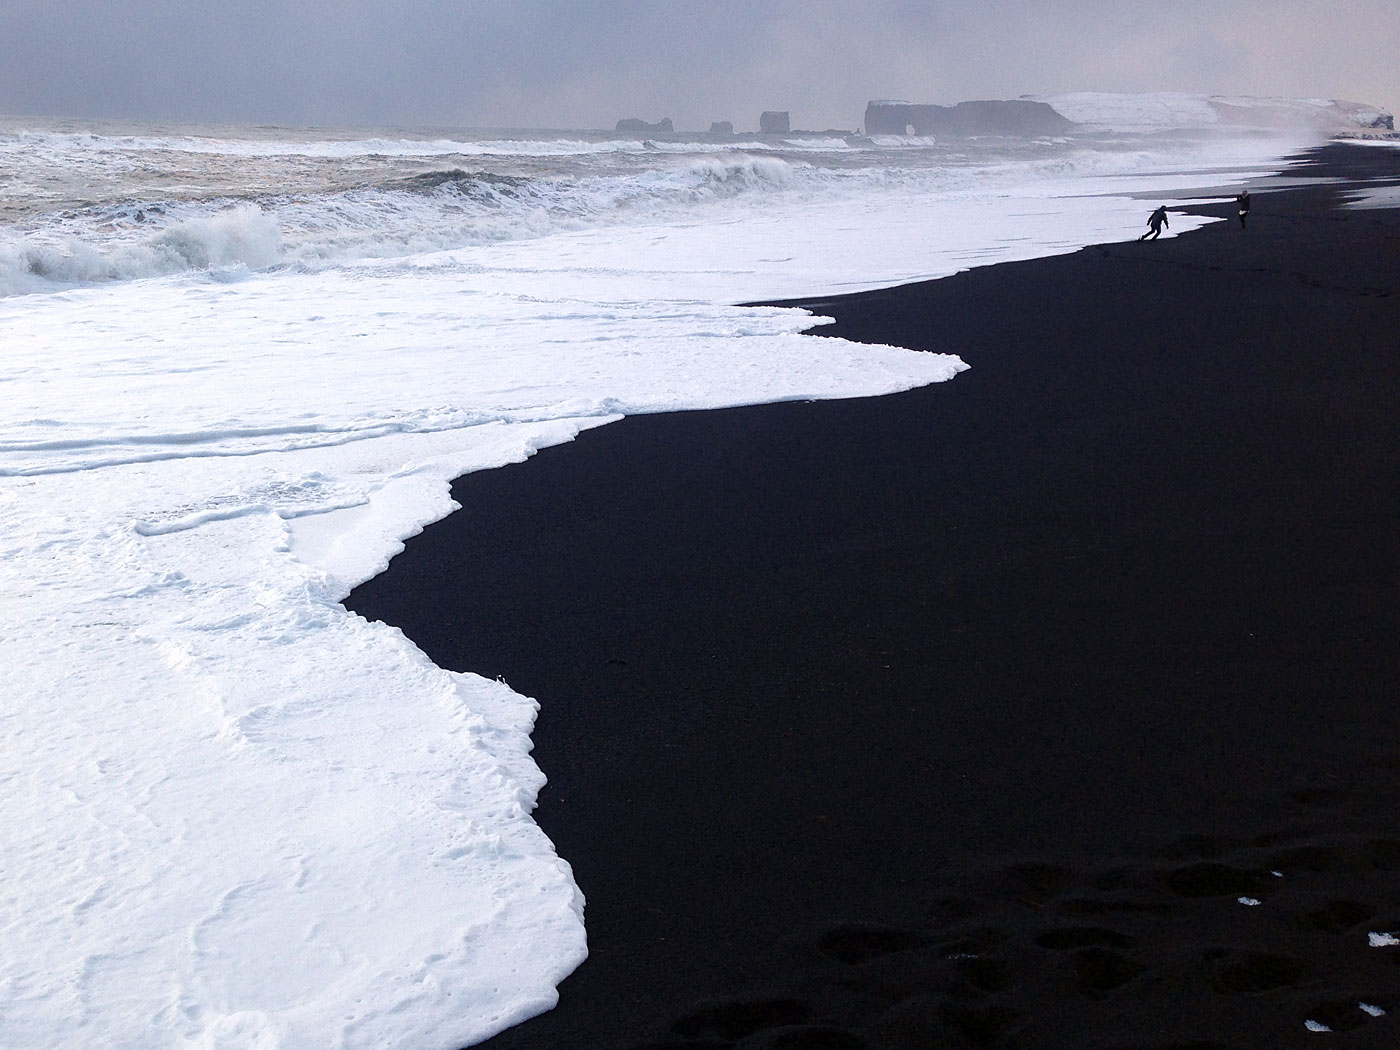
(741, 174)
(428, 211)
(473, 184)
(239, 237)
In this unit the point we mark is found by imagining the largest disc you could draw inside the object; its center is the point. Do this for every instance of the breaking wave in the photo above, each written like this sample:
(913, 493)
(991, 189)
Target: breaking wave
(94, 208)
(240, 237)
(426, 211)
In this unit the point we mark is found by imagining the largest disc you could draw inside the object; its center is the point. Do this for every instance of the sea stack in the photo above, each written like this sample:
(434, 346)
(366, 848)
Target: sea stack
(774, 122)
(633, 126)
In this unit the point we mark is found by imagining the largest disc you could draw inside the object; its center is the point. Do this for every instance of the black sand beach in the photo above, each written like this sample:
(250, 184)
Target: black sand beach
(966, 717)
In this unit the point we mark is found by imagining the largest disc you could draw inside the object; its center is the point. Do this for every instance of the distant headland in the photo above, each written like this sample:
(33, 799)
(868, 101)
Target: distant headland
(1020, 117)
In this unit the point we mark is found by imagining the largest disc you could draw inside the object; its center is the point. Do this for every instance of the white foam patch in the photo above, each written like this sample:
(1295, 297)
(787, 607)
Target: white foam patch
(1316, 1026)
(255, 818)
(1375, 197)
(1370, 1010)
(1382, 940)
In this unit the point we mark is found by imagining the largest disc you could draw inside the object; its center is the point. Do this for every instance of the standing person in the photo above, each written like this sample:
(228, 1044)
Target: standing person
(1243, 202)
(1156, 220)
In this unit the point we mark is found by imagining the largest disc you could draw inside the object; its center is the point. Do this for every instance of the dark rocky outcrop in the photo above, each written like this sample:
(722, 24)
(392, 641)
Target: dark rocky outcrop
(774, 122)
(1012, 117)
(633, 126)
(722, 127)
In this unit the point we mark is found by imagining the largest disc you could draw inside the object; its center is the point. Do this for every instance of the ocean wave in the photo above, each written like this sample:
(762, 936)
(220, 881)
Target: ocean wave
(444, 210)
(96, 222)
(426, 211)
(334, 149)
(525, 145)
(241, 237)
(469, 183)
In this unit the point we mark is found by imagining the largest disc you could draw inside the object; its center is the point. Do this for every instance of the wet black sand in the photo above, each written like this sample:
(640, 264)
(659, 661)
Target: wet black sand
(963, 717)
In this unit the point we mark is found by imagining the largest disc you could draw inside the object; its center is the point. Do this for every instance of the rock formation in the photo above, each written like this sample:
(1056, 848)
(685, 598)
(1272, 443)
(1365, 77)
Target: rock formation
(1012, 117)
(722, 127)
(774, 122)
(633, 126)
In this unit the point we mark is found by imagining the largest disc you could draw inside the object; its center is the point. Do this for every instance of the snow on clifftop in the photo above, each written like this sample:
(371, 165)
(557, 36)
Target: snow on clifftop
(1167, 111)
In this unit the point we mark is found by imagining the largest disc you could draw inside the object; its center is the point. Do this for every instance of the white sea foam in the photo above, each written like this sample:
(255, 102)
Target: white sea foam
(237, 815)
(1375, 197)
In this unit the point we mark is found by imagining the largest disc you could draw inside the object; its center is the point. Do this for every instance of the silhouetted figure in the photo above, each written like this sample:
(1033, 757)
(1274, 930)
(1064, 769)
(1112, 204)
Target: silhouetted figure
(1243, 201)
(1156, 220)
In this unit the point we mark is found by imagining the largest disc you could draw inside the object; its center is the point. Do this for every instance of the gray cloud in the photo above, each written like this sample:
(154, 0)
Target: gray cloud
(545, 63)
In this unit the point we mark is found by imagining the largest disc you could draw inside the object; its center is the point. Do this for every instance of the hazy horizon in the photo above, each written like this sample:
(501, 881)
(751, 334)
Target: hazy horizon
(543, 64)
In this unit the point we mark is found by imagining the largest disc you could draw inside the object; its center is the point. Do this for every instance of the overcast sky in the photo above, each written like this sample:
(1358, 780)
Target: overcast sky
(561, 64)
